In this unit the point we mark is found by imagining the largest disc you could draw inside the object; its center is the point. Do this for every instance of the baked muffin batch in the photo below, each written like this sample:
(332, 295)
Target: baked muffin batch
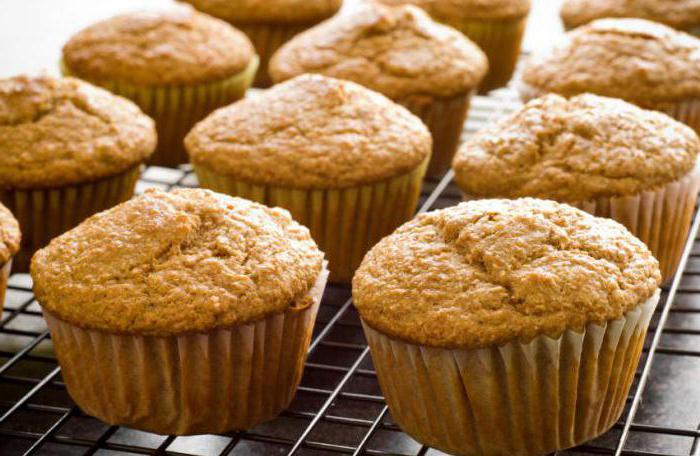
(511, 323)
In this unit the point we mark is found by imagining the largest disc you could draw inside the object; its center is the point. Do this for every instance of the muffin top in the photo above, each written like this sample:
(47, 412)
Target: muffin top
(576, 150)
(156, 48)
(681, 14)
(61, 131)
(634, 59)
(269, 11)
(488, 272)
(398, 51)
(311, 132)
(10, 235)
(453, 11)
(172, 263)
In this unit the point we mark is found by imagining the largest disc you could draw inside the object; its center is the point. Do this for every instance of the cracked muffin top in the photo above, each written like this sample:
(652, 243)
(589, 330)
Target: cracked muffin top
(172, 263)
(10, 235)
(455, 11)
(61, 131)
(680, 14)
(575, 150)
(269, 11)
(311, 132)
(398, 51)
(488, 272)
(155, 48)
(633, 59)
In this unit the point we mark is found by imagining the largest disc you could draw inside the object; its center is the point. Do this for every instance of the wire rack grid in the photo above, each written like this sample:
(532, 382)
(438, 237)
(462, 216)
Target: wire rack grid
(339, 408)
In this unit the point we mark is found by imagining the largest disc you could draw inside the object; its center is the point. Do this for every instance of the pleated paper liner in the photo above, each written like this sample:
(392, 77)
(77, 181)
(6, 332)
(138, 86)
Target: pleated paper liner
(226, 379)
(266, 39)
(4, 277)
(445, 119)
(345, 222)
(176, 109)
(521, 398)
(46, 213)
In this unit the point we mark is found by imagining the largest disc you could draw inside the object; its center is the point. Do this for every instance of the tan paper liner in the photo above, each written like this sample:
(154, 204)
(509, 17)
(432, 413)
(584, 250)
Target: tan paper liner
(223, 380)
(345, 222)
(266, 39)
(4, 277)
(445, 119)
(46, 213)
(521, 398)
(176, 109)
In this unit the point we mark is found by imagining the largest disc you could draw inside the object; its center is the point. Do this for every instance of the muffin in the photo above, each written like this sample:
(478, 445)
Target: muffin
(603, 155)
(9, 245)
(496, 26)
(345, 161)
(400, 52)
(269, 23)
(177, 65)
(67, 150)
(679, 14)
(645, 63)
(182, 313)
(506, 326)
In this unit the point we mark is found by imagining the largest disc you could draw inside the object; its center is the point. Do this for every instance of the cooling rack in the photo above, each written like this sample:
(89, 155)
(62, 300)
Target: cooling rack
(339, 408)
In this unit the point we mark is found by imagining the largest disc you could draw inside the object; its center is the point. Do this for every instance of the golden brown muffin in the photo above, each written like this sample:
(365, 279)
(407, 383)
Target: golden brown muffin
(311, 132)
(269, 11)
(59, 131)
(10, 237)
(171, 47)
(575, 150)
(680, 14)
(173, 263)
(397, 51)
(454, 11)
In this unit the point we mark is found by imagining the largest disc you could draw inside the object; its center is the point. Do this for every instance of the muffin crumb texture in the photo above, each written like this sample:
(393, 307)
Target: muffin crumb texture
(174, 263)
(10, 235)
(61, 131)
(463, 10)
(633, 59)
(681, 14)
(158, 48)
(576, 150)
(398, 51)
(311, 132)
(269, 11)
(492, 271)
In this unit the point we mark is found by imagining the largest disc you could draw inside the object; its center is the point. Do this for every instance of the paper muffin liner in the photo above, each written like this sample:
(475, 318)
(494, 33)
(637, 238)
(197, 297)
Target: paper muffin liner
(344, 222)
(445, 119)
(222, 380)
(266, 39)
(520, 398)
(500, 41)
(46, 213)
(176, 109)
(4, 277)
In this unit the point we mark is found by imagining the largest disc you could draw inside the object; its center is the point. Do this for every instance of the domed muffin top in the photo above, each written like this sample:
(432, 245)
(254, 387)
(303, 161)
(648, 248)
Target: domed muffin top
(158, 48)
(453, 11)
(269, 11)
(488, 272)
(172, 263)
(10, 235)
(575, 150)
(61, 131)
(680, 14)
(398, 51)
(633, 59)
(311, 132)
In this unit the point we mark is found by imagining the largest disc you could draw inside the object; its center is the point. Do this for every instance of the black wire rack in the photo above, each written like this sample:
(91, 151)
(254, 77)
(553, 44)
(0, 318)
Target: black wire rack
(339, 408)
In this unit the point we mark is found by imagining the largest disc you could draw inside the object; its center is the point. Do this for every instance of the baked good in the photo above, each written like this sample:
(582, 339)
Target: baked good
(67, 150)
(496, 26)
(495, 317)
(679, 14)
(269, 23)
(643, 62)
(345, 161)
(10, 237)
(177, 64)
(400, 52)
(600, 154)
(168, 298)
